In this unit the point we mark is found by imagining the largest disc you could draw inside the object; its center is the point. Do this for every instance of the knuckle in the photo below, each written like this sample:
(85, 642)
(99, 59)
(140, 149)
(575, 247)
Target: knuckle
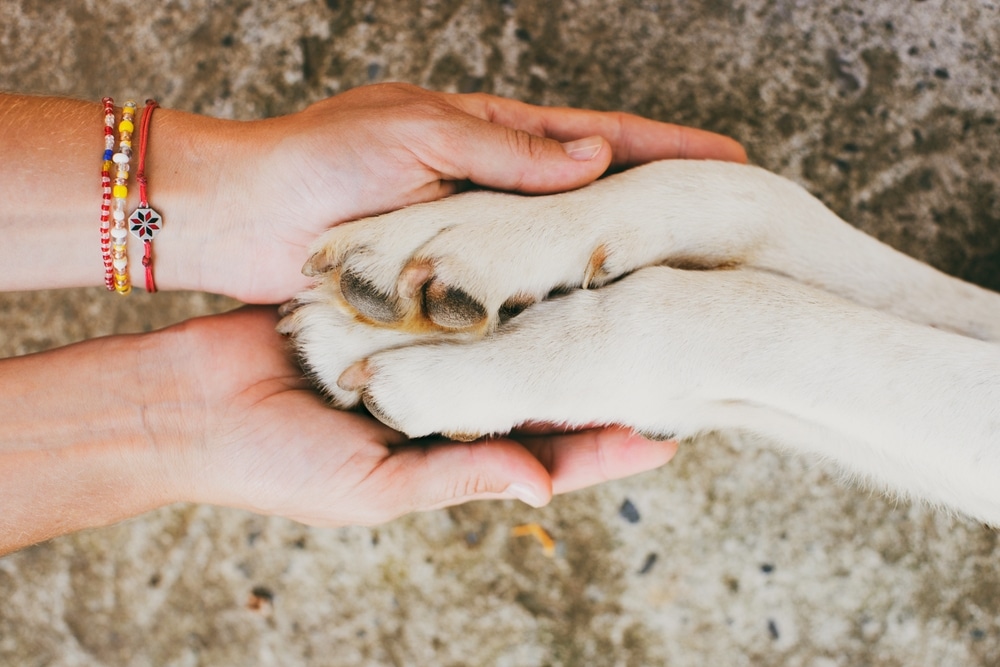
(472, 486)
(527, 144)
(620, 122)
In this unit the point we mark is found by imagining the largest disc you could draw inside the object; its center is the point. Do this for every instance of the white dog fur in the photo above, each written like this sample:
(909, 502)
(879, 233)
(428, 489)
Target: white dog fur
(745, 305)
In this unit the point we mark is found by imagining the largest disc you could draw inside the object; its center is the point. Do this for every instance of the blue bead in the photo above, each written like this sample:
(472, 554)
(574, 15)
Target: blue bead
(107, 154)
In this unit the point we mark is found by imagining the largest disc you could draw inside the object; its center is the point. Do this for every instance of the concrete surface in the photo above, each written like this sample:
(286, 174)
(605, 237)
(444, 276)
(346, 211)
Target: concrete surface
(739, 556)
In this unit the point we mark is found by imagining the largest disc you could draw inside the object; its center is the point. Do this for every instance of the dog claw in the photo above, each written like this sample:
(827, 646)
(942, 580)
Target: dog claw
(317, 265)
(373, 407)
(356, 376)
(413, 277)
(595, 275)
(289, 307)
(285, 326)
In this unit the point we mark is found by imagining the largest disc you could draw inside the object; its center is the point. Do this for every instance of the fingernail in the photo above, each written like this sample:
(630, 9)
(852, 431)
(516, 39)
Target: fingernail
(583, 149)
(525, 494)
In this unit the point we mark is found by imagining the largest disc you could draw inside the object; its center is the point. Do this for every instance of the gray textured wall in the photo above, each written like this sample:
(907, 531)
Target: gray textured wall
(887, 110)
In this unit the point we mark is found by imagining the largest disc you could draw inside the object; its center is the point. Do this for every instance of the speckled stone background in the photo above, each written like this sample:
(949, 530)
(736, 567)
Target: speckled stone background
(731, 555)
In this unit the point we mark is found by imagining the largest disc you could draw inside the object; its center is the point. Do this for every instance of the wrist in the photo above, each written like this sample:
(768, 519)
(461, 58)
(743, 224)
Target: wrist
(196, 183)
(52, 194)
(219, 187)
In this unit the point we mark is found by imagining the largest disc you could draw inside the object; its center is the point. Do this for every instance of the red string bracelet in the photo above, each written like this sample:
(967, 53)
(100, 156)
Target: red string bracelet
(106, 164)
(145, 223)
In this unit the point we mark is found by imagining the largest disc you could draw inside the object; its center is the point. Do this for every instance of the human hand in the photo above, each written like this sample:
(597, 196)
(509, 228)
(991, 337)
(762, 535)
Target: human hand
(375, 149)
(213, 411)
(242, 201)
(265, 441)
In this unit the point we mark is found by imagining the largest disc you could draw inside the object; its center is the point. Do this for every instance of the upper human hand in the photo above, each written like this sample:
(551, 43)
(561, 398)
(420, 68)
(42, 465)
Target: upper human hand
(381, 147)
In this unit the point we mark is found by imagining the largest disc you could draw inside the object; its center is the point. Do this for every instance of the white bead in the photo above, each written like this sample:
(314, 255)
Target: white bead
(119, 215)
(120, 263)
(119, 232)
(120, 158)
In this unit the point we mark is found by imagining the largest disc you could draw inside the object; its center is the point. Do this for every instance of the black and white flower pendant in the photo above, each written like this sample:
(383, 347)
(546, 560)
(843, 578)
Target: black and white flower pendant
(145, 223)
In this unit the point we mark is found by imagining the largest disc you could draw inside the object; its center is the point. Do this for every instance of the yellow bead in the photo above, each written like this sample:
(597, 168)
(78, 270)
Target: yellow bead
(125, 126)
(119, 192)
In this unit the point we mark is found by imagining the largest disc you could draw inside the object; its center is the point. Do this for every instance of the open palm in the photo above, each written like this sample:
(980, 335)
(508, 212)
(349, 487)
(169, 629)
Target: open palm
(269, 443)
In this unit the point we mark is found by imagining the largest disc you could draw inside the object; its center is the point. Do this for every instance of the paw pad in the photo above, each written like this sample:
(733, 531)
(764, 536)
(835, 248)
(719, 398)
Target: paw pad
(364, 297)
(452, 308)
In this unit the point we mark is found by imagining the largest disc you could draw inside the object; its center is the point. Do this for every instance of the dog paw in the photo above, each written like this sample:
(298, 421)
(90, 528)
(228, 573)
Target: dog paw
(471, 261)
(557, 363)
(461, 264)
(329, 340)
(457, 268)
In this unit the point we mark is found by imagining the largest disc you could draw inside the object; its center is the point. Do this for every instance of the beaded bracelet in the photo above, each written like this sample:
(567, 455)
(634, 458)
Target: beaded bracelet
(109, 145)
(145, 223)
(119, 194)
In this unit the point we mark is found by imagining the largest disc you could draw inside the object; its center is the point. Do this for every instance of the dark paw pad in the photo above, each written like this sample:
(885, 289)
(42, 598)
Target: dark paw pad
(658, 436)
(462, 437)
(514, 306)
(367, 300)
(451, 308)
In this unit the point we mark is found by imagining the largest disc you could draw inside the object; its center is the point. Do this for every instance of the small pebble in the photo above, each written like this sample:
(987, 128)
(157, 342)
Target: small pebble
(629, 512)
(261, 600)
(648, 564)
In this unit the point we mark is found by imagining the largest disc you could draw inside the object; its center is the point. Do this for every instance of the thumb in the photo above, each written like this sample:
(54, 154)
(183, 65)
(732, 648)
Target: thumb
(503, 158)
(449, 473)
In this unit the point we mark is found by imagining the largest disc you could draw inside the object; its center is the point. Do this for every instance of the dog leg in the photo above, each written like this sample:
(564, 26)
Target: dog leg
(464, 262)
(681, 352)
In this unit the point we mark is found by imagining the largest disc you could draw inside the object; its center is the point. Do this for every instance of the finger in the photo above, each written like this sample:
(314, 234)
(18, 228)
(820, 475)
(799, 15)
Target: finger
(582, 459)
(443, 473)
(505, 158)
(634, 140)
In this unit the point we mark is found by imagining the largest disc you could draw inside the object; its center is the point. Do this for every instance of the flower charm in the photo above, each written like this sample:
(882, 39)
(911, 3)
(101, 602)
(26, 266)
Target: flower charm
(144, 223)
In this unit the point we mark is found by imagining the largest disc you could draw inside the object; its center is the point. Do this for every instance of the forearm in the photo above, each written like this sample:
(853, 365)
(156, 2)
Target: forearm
(81, 444)
(50, 189)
